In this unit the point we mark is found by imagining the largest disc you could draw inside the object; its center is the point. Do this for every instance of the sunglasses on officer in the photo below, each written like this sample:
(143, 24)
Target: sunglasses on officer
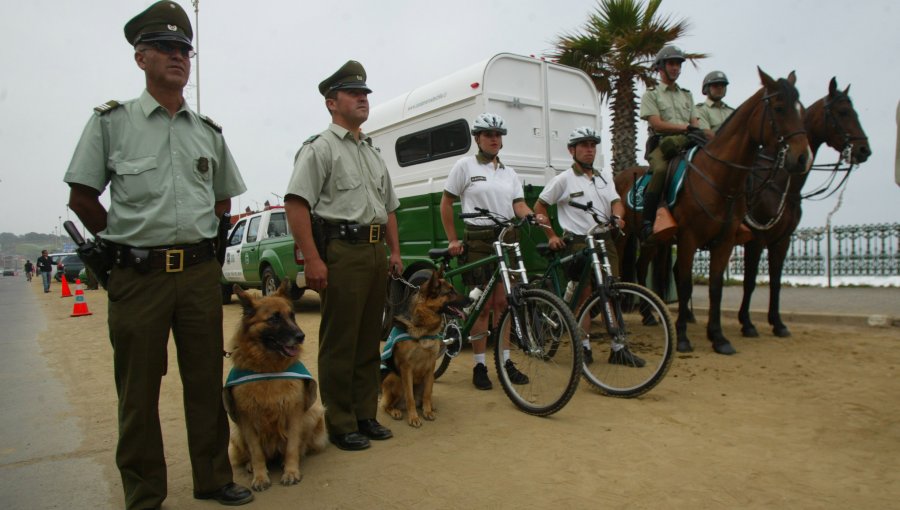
(169, 48)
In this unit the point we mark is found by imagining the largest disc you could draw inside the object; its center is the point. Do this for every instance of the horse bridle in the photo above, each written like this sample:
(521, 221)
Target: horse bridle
(780, 157)
(846, 154)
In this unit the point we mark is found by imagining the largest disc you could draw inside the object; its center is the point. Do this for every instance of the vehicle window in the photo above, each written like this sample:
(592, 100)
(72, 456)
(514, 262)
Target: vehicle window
(71, 259)
(277, 225)
(237, 234)
(253, 229)
(434, 143)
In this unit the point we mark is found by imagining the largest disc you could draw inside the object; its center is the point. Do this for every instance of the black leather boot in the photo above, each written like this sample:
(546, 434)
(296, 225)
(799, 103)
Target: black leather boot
(651, 201)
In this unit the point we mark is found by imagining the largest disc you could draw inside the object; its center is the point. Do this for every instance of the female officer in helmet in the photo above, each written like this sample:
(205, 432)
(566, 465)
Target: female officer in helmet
(483, 181)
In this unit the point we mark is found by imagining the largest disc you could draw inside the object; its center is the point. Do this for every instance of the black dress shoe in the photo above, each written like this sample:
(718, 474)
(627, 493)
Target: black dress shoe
(231, 494)
(349, 441)
(374, 430)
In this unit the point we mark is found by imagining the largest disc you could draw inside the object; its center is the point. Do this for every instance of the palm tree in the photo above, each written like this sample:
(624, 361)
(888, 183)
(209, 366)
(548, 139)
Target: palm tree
(616, 48)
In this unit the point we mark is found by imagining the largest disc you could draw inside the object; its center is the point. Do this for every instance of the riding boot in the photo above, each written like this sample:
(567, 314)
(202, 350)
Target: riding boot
(651, 201)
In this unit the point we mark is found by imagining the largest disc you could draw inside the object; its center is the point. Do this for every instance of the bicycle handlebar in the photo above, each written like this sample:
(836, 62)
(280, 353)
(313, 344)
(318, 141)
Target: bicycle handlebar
(603, 225)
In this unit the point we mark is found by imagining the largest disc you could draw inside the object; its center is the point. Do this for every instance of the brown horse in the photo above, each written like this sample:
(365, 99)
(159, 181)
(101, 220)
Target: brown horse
(775, 209)
(712, 205)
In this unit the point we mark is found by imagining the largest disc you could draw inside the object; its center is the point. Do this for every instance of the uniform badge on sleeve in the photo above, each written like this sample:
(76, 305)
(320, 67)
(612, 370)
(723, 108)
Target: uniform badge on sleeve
(203, 165)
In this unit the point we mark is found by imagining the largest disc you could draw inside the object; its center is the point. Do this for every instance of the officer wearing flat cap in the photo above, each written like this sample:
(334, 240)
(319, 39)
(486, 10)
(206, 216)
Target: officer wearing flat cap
(171, 177)
(340, 188)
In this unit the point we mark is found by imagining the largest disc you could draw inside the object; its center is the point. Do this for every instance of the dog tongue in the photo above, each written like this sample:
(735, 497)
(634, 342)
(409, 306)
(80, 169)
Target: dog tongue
(291, 351)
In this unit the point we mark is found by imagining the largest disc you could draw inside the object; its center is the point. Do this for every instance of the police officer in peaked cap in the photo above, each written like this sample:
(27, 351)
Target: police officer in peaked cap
(341, 187)
(171, 177)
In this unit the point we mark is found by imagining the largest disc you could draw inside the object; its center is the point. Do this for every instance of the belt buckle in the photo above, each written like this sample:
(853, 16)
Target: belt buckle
(374, 233)
(170, 268)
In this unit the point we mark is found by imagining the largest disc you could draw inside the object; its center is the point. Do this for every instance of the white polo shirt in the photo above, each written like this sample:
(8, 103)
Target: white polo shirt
(573, 185)
(482, 185)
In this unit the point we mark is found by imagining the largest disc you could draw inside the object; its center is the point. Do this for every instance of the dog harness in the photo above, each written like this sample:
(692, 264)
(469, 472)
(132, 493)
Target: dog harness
(239, 376)
(398, 334)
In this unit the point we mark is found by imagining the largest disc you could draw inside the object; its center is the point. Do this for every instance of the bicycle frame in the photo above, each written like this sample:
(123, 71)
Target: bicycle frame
(600, 272)
(501, 273)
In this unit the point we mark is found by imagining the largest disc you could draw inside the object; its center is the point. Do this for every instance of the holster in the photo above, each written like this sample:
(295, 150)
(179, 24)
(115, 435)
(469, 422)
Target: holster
(320, 235)
(98, 258)
(222, 237)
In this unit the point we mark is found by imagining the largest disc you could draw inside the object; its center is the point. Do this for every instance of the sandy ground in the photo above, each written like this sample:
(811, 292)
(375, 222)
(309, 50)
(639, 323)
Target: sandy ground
(808, 422)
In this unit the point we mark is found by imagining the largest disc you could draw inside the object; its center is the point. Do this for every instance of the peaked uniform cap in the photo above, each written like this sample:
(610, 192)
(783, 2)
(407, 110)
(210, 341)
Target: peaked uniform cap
(351, 75)
(162, 21)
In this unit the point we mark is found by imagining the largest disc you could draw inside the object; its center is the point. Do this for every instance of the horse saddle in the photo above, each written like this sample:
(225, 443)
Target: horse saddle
(677, 169)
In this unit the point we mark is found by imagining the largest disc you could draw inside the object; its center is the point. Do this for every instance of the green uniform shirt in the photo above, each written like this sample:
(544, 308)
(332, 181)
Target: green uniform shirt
(342, 179)
(165, 173)
(712, 114)
(671, 103)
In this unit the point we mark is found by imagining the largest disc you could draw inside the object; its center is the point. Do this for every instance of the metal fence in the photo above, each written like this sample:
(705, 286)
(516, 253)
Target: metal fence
(855, 250)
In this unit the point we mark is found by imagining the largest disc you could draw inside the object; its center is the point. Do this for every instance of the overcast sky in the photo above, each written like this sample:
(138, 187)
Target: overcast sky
(261, 63)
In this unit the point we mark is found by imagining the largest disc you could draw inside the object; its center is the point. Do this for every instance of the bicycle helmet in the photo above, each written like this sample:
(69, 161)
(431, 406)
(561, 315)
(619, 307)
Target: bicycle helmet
(668, 53)
(583, 133)
(488, 122)
(713, 78)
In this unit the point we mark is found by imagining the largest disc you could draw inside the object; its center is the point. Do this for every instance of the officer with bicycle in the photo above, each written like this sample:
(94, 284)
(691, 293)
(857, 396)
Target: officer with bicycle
(583, 184)
(482, 181)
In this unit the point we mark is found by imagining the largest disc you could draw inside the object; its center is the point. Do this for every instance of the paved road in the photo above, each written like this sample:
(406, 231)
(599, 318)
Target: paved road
(41, 466)
(848, 305)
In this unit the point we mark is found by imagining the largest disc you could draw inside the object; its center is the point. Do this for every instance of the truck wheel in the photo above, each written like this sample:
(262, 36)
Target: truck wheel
(226, 292)
(270, 282)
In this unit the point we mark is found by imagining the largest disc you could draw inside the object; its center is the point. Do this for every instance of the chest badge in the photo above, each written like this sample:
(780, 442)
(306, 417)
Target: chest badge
(203, 165)
(478, 178)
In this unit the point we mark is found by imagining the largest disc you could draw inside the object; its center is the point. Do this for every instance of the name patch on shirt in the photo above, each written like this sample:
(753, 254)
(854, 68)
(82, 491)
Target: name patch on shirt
(478, 178)
(576, 194)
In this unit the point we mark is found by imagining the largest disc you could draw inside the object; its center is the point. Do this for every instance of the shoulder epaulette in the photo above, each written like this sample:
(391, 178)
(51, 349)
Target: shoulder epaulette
(310, 140)
(107, 107)
(700, 104)
(686, 90)
(211, 123)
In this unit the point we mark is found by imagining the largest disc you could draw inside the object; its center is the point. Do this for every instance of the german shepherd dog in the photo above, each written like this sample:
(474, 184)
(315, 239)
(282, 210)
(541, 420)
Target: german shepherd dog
(269, 394)
(411, 380)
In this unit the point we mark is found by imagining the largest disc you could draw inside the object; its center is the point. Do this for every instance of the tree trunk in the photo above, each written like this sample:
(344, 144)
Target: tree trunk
(623, 103)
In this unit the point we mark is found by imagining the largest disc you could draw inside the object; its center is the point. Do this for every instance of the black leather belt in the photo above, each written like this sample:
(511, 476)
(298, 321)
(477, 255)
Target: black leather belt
(355, 232)
(173, 258)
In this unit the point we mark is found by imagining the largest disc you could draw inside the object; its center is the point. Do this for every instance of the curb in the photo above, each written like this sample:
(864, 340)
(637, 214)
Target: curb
(761, 316)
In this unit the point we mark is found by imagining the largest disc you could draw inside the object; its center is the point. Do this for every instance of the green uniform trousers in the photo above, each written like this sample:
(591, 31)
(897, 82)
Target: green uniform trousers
(143, 308)
(667, 149)
(350, 333)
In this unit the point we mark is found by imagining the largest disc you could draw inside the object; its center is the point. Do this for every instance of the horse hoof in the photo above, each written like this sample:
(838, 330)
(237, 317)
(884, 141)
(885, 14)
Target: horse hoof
(781, 332)
(685, 346)
(750, 332)
(724, 348)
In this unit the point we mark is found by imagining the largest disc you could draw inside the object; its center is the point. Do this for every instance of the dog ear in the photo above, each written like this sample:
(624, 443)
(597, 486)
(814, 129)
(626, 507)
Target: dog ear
(433, 286)
(284, 290)
(246, 301)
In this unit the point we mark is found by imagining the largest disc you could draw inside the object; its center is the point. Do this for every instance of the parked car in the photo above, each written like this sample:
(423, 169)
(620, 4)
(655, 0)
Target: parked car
(70, 265)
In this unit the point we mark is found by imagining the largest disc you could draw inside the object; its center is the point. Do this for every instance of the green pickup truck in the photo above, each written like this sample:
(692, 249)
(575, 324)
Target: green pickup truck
(261, 254)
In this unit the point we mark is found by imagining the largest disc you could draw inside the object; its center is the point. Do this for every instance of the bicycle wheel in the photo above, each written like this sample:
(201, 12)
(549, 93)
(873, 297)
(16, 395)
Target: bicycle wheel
(548, 354)
(647, 334)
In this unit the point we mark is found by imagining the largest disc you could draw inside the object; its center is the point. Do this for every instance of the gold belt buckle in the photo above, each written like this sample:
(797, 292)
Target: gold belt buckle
(374, 233)
(171, 268)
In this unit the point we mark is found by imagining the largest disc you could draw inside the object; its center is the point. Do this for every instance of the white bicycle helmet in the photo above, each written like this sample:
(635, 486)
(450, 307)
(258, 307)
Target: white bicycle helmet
(488, 122)
(583, 133)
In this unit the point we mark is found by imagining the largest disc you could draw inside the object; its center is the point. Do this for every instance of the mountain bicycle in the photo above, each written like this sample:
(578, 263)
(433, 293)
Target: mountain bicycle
(629, 328)
(537, 327)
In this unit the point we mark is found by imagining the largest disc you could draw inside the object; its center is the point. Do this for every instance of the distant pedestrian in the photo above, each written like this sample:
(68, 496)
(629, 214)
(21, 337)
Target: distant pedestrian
(45, 266)
(29, 269)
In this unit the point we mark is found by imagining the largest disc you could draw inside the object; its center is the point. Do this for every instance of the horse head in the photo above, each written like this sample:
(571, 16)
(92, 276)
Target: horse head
(834, 121)
(780, 117)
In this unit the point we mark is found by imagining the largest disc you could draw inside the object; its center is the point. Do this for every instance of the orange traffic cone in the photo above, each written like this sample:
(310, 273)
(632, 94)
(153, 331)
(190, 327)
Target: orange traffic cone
(80, 308)
(65, 287)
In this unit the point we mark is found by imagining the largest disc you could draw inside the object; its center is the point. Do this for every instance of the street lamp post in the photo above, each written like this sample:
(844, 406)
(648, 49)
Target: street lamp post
(196, 4)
